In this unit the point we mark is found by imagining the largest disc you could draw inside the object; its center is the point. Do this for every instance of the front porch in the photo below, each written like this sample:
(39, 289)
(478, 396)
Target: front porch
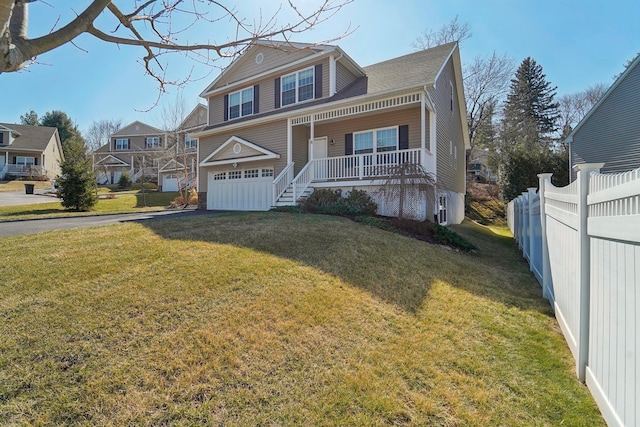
(22, 171)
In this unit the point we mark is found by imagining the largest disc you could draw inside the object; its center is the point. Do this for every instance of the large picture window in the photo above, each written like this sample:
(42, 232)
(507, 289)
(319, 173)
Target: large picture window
(20, 160)
(298, 86)
(241, 103)
(378, 140)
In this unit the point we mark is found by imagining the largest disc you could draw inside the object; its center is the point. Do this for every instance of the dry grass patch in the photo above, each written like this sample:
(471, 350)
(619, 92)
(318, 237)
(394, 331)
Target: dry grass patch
(275, 319)
(17, 185)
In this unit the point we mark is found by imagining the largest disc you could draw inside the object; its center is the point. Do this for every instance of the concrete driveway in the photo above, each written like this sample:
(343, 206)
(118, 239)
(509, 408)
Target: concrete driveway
(15, 198)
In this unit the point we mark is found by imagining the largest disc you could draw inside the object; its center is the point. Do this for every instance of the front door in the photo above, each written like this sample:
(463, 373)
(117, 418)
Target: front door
(319, 150)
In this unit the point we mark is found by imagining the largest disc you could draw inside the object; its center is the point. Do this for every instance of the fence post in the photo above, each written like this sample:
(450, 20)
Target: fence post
(525, 225)
(530, 196)
(584, 282)
(545, 180)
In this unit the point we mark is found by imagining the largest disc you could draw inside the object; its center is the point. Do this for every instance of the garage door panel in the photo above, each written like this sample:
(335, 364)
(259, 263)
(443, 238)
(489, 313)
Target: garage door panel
(244, 194)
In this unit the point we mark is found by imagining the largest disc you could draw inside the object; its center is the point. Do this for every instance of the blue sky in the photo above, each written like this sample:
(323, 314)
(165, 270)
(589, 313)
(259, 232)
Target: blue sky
(578, 44)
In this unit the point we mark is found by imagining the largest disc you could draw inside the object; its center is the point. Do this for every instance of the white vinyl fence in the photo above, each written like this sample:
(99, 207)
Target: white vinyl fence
(583, 245)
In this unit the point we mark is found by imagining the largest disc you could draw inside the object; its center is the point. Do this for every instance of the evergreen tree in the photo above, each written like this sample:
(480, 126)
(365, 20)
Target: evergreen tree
(30, 118)
(66, 129)
(78, 179)
(530, 113)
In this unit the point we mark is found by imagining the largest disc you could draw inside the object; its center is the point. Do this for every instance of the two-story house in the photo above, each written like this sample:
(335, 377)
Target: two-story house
(287, 118)
(33, 152)
(180, 167)
(136, 149)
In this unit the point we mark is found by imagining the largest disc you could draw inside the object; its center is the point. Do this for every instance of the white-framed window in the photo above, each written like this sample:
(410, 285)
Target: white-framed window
(152, 142)
(21, 160)
(267, 172)
(297, 87)
(377, 140)
(241, 103)
(220, 176)
(235, 174)
(252, 173)
(122, 144)
(190, 142)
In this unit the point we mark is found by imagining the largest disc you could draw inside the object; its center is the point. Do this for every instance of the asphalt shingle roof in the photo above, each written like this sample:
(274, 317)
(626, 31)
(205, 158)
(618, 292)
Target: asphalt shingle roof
(31, 137)
(414, 69)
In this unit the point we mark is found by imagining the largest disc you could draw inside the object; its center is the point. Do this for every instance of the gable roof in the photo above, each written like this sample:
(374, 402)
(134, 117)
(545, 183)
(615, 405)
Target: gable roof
(112, 160)
(137, 128)
(196, 118)
(620, 79)
(31, 137)
(415, 69)
(252, 152)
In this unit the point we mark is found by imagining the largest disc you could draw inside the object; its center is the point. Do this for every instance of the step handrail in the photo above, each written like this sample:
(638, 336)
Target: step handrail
(282, 182)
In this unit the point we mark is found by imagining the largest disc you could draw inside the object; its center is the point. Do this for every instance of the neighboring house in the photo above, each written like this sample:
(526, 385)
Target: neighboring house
(610, 132)
(135, 149)
(31, 152)
(180, 168)
(287, 118)
(478, 166)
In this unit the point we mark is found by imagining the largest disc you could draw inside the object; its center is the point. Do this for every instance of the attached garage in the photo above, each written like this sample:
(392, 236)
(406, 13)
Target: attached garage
(249, 189)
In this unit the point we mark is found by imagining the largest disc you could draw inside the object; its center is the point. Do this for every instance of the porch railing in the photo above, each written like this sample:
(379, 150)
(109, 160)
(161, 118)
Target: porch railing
(282, 181)
(24, 170)
(365, 166)
(302, 180)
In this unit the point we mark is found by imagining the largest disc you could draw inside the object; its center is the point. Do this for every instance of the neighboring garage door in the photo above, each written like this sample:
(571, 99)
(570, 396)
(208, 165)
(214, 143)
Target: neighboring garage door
(170, 183)
(248, 189)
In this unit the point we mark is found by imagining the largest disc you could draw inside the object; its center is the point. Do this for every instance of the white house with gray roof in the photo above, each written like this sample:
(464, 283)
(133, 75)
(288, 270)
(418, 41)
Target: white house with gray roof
(32, 152)
(285, 119)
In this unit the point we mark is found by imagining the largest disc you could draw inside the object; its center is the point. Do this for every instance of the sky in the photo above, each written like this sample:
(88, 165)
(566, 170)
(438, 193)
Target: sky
(577, 43)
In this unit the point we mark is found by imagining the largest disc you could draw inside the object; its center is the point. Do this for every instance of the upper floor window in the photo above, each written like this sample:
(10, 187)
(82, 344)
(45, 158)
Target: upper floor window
(122, 144)
(298, 86)
(190, 142)
(241, 103)
(378, 140)
(152, 142)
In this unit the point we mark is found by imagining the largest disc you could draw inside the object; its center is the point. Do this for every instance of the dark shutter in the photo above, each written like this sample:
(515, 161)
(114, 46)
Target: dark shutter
(403, 137)
(35, 161)
(256, 99)
(318, 81)
(348, 144)
(277, 94)
(226, 108)
(14, 160)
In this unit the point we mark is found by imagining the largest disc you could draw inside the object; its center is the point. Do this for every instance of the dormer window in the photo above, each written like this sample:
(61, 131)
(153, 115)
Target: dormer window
(241, 103)
(298, 86)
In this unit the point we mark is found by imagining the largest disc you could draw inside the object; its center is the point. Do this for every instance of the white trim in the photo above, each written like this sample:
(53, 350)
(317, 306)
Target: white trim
(289, 141)
(176, 166)
(122, 162)
(423, 122)
(266, 154)
(332, 75)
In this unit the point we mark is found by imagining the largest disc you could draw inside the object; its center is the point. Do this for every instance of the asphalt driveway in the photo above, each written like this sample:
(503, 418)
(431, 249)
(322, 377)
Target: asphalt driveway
(15, 228)
(15, 198)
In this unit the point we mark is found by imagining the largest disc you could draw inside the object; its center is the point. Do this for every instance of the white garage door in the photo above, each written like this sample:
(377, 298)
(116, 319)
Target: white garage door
(170, 183)
(248, 189)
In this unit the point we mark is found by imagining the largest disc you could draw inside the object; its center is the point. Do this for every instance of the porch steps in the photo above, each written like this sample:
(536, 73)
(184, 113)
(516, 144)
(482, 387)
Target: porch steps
(287, 197)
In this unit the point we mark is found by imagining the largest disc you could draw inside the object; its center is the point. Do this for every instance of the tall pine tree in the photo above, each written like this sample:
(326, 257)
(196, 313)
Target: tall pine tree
(527, 144)
(530, 113)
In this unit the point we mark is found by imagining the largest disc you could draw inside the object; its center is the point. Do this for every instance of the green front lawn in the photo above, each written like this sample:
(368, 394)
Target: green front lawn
(277, 319)
(15, 185)
(124, 202)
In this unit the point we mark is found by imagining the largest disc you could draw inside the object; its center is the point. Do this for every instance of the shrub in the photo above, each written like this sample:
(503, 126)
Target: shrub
(330, 202)
(124, 181)
(287, 209)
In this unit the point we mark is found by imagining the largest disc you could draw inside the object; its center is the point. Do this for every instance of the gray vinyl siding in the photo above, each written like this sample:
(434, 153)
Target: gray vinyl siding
(272, 136)
(450, 168)
(344, 77)
(273, 58)
(337, 130)
(611, 135)
(266, 92)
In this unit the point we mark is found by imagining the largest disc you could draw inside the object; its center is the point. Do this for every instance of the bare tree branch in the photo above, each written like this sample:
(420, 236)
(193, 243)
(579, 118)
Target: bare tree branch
(451, 32)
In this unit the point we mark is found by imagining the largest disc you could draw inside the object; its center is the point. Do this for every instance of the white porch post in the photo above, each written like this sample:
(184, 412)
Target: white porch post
(312, 134)
(423, 130)
(433, 141)
(289, 142)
